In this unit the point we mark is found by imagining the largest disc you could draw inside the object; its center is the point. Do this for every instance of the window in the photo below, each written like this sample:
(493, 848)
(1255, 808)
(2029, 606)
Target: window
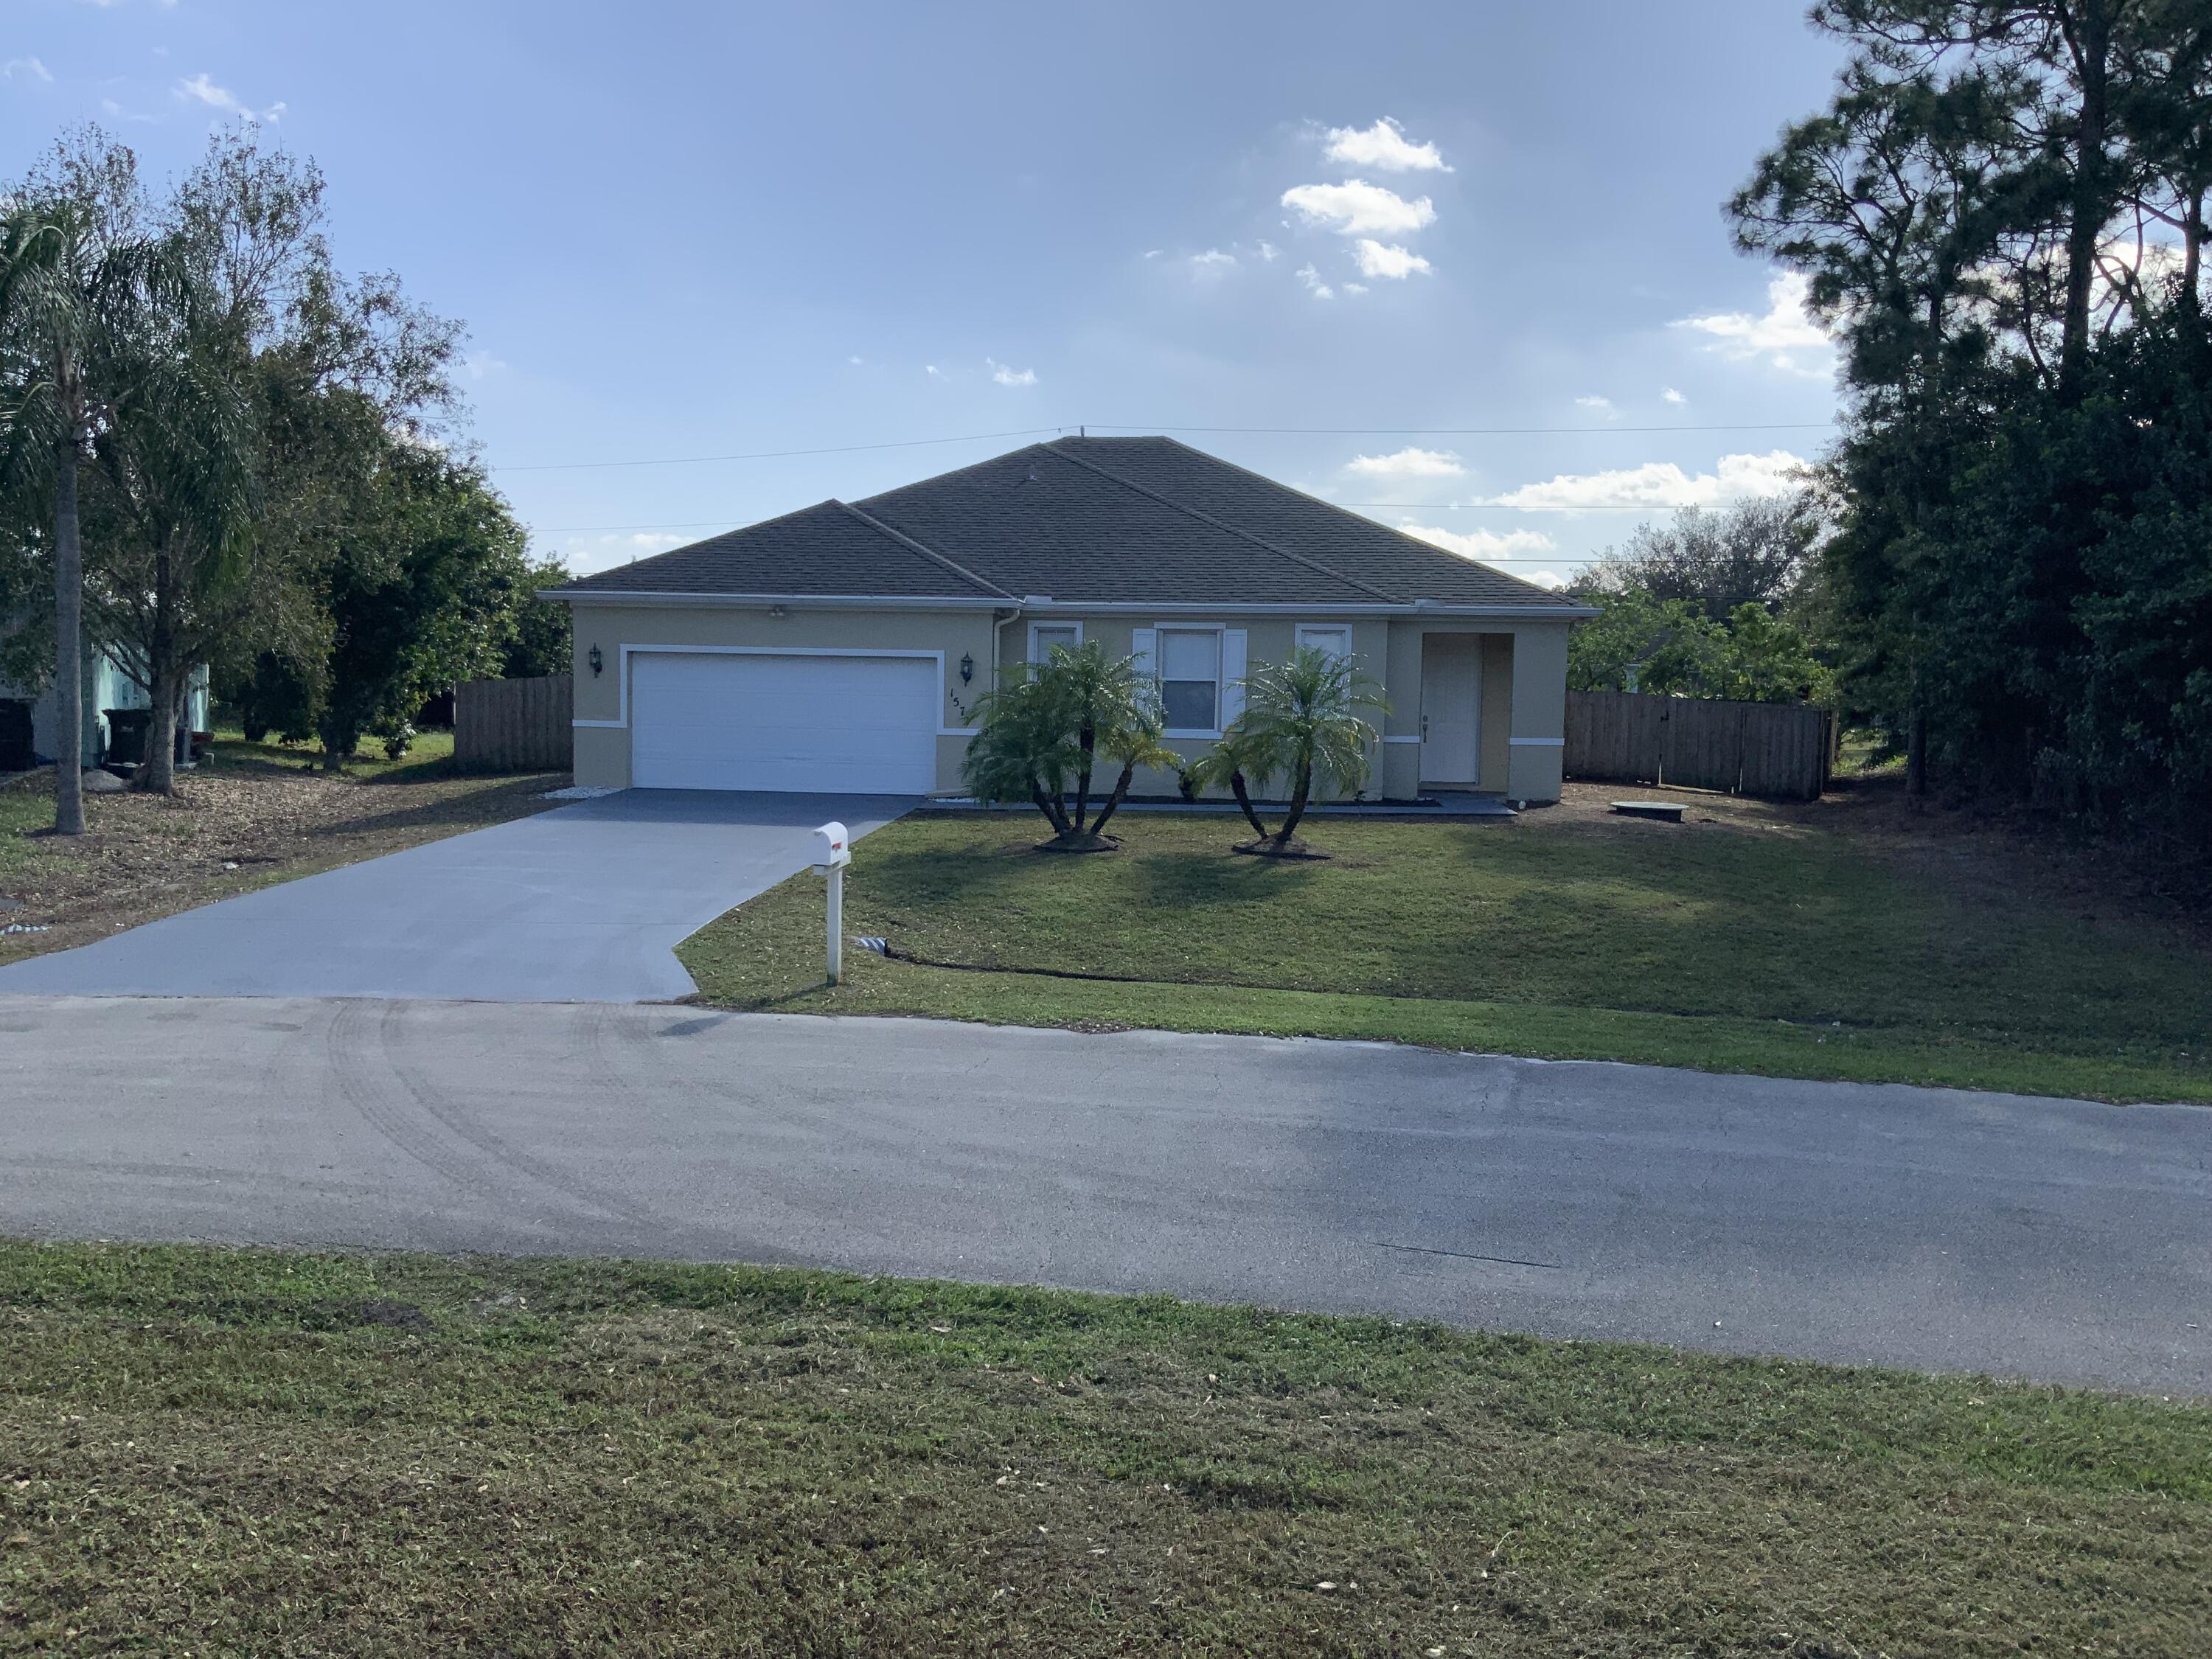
(1190, 679)
(1334, 639)
(1043, 636)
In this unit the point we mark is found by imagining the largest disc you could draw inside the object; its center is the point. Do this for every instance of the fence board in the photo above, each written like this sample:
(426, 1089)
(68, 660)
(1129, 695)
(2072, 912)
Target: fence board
(1776, 749)
(516, 726)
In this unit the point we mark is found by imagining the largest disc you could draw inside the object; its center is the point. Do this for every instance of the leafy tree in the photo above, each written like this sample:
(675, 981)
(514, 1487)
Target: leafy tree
(1046, 725)
(1753, 552)
(1302, 722)
(540, 639)
(1670, 646)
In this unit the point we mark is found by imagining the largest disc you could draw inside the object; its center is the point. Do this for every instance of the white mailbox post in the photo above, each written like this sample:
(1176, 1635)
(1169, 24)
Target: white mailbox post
(831, 855)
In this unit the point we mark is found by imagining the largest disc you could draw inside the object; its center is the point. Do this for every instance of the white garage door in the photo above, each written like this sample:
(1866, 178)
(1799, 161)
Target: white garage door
(820, 723)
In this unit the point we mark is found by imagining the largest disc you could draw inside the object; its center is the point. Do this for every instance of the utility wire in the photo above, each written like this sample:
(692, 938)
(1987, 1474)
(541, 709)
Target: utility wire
(1298, 431)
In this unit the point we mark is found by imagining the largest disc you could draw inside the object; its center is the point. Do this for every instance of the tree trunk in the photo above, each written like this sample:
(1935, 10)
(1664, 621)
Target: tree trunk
(68, 647)
(1049, 805)
(1916, 756)
(2091, 42)
(1088, 737)
(1237, 787)
(1115, 800)
(1299, 795)
(157, 772)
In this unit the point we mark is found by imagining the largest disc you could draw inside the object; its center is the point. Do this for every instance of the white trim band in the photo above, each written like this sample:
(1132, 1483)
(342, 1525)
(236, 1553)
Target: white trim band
(1537, 742)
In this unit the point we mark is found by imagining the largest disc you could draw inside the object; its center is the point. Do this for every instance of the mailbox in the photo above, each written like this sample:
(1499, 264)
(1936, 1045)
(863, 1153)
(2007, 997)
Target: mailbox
(830, 848)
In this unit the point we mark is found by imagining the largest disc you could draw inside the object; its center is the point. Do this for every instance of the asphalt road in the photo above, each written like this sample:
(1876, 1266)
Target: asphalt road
(1917, 1227)
(580, 903)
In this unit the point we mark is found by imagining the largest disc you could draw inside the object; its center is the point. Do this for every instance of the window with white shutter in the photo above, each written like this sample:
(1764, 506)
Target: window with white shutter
(1333, 638)
(1190, 679)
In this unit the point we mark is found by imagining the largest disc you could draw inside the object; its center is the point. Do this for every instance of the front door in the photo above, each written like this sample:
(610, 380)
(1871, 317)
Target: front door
(1452, 708)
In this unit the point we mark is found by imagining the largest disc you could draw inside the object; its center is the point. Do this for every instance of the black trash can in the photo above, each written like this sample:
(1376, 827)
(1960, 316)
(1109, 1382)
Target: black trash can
(126, 735)
(16, 754)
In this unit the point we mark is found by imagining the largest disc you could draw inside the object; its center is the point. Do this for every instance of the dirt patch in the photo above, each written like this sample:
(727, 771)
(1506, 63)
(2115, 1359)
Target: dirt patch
(226, 831)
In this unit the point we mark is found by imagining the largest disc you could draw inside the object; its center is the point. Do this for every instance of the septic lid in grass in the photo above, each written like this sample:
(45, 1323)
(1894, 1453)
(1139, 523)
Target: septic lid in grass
(1670, 812)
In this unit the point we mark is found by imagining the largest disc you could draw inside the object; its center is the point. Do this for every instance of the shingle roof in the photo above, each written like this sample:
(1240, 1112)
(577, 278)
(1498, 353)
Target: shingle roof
(1081, 520)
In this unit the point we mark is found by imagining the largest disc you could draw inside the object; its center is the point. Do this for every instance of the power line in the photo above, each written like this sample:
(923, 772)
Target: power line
(1292, 431)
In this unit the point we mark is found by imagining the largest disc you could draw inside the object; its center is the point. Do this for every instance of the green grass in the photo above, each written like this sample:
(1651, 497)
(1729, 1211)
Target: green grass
(205, 1452)
(1757, 944)
(431, 756)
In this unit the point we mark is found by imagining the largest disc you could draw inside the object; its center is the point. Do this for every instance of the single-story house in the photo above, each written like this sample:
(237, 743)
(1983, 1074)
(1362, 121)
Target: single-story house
(106, 686)
(843, 647)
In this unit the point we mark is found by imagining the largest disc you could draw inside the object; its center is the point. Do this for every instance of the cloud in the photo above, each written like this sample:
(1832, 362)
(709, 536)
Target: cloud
(856, 361)
(202, 89)
(1006, 376)
(1659, 484)
(1212, 263)
(1601, 405)
(1785, 329)
(1269, 251)
(1315, 286)
(1407, 463)
(1356, 208)
(1384, 145)
(1669, 395)
(1381, 259)
(1355, 288)
(481, 363)
(586, 554)
(27, 68)
(932, 371)
(1504, 547)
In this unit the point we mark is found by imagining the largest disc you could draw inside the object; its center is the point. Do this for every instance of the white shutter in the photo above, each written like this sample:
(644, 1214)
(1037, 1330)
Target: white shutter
(1232, 674)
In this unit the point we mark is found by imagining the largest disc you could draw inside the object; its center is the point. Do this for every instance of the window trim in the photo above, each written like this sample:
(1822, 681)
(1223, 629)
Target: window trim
(1300, 630)
(1160, 678)
(1056, 627)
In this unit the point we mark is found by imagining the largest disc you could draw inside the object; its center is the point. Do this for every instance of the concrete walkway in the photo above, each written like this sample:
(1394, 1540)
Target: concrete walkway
(582, 903)
(1918, 1227)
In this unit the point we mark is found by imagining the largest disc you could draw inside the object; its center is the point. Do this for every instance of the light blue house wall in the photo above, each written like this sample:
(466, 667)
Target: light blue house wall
(104, 686)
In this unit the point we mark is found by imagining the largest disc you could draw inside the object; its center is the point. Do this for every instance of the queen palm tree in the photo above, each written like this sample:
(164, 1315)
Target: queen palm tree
(1044, 728)
(1302, 721)
(71, 289)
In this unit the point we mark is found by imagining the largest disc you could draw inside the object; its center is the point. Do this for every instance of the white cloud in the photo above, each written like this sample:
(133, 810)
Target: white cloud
(1212, 263)
(1356, 208)
(1315, 286)
(932, 371)
(1659, 484)
(1504, 547)
(202, 89)
(481, 363)
(1005, 375)
(1381, 259)
(586, 554)
(1601, 405)
(1409, 463)
(1355, 288)
(856, 361)
(1383, 145)
(1269, 251)
(1785, 329)
(1669, 395)
(28, 68)
(1153, 252)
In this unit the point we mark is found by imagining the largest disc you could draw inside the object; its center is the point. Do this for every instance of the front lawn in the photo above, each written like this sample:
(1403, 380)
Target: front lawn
(1804, 941)
(251, 814)
(210, 1452)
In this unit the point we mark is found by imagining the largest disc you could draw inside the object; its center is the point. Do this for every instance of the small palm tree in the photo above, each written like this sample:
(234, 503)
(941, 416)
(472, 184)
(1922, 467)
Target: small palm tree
(1302, 721)
(1044, 728)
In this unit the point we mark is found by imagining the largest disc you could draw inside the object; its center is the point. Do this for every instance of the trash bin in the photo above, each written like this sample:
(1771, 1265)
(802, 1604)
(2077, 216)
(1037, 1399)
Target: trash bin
(126, 735)
(15, 735)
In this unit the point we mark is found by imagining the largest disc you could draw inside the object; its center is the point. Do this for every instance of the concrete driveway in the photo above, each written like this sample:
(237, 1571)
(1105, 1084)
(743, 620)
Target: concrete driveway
(1923, 1227)
(583, 903)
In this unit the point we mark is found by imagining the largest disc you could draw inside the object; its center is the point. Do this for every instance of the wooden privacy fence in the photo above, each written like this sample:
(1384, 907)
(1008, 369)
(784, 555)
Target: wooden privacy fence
(516, 726)
(1773, 749)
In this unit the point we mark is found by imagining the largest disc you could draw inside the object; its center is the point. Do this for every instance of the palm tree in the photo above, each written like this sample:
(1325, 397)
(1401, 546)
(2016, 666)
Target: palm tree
(67, 291)
(1044, 728)
(1302, 721)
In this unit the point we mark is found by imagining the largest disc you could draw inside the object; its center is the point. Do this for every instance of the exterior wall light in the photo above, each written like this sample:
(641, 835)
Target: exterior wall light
(596, 660)
(967, 668)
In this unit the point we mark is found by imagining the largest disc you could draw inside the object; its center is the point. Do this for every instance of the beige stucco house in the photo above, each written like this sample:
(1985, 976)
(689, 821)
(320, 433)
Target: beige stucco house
(842, 648)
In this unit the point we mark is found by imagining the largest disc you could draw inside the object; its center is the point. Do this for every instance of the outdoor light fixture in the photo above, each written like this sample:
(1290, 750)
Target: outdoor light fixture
(597, 661)
(967, 668)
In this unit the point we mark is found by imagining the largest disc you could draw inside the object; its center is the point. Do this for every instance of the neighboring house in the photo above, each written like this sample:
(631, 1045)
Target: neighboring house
(105, 686)
(840, 648)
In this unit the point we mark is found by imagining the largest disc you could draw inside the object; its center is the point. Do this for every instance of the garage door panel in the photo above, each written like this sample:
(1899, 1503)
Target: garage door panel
(770, 721)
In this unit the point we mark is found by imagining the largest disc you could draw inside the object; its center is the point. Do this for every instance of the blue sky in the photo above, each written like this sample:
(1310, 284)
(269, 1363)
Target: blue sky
(680, 230)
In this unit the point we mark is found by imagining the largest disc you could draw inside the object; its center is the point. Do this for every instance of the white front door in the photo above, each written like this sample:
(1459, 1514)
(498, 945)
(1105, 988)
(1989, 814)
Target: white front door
(817, 724)
(1452, 708)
